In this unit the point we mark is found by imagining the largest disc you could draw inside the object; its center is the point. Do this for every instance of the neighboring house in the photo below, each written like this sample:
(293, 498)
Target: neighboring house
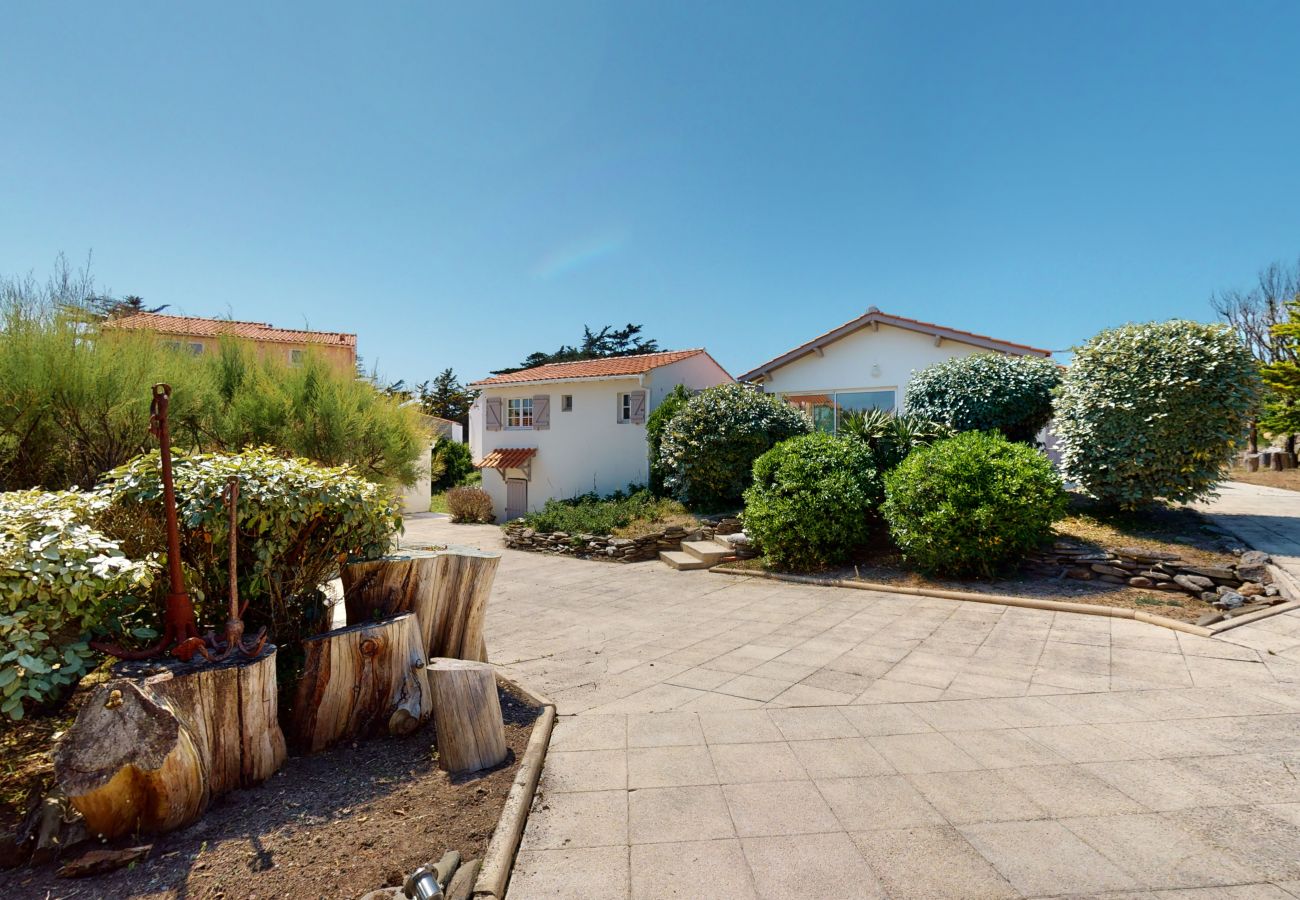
(867, 363)
(415, 497)
(563, 429)
(198, 335)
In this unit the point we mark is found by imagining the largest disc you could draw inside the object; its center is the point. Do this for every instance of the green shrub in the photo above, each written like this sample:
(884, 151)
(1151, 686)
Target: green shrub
(972, 504)
(61, 582)
(1155, 411)
(987, 392)
(450, 465)
(593, 514)
(470, 504)
(298, 521)
(74, 403)
(813, 500)
(891, 437)
(709, 447)
(668, 407)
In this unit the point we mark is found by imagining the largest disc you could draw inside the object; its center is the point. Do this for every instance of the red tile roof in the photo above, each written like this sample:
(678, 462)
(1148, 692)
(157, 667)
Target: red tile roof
(507, 458)
(592, 368)
(194, 326)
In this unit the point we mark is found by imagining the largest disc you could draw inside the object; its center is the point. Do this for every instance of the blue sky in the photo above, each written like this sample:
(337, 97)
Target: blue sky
(463, 184)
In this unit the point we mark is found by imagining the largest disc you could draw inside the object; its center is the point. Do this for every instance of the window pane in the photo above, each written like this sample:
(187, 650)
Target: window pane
(861, 401)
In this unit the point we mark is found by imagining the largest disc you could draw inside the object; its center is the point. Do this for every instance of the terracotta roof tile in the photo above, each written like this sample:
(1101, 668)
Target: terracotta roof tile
(194, 326)
(592, 368)
(505, 458)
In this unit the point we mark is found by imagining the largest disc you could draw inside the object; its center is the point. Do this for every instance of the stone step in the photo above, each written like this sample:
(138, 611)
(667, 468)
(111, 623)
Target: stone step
(708, 551)
(684, 561)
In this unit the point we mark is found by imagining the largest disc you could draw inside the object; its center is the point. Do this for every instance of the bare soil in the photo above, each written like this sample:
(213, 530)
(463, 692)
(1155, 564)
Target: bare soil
(1178, 530)
(335, 825)
(1287, 479)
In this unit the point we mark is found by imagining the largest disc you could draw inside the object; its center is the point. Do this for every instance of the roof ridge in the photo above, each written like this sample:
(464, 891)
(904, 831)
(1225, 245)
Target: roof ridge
(579, 362)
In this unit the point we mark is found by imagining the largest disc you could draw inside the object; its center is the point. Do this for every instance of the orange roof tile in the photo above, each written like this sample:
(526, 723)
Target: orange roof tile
(195, 326)
(592, 368)
(504, 458)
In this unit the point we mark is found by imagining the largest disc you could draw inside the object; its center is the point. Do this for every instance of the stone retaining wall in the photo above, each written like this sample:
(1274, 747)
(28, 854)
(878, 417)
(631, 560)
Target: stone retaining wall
(618, 549)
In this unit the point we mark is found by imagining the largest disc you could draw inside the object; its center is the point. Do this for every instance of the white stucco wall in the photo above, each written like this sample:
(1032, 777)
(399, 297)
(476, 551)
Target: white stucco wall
(866, 360)
(696, 372)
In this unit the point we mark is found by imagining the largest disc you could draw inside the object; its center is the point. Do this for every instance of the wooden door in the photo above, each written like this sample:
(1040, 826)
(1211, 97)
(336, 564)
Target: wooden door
(516, 498)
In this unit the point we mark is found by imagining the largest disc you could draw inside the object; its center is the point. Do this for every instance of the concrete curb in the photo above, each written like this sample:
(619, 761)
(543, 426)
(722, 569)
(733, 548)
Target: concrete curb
(499, 859)
(1087, 609)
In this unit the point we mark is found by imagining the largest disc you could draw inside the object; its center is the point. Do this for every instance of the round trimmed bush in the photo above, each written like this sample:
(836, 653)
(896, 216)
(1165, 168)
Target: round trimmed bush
(988, 392)
(709, 447)
(1155, 411)
(972, 504)
(812, 500)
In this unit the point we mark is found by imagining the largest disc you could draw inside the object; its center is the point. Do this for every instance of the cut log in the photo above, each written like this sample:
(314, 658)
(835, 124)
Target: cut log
(360, 681)
(128, 764)
(462, 883)
(470, 733)
(230, 709)
(446, 589)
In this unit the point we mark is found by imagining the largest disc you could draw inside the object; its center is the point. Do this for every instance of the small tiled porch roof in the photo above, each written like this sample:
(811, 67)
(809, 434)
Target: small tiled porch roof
(507, 458)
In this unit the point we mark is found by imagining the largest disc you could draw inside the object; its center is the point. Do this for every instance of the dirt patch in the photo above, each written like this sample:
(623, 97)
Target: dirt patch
(1287, 479)
(334, 825)
(1179, 530)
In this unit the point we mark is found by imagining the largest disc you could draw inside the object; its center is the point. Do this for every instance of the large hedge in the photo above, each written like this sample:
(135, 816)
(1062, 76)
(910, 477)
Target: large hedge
(988, 392)
(1155, 411)
(668, 407)
(972, 504)
(709, 447)
(61, 581)
(813, 500)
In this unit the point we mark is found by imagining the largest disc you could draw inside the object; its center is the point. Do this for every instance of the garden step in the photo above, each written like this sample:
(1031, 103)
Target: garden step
(708, 551)
(685, 561)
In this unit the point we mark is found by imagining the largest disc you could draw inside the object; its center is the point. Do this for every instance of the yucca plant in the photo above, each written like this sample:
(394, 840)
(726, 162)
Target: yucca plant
(891, 437)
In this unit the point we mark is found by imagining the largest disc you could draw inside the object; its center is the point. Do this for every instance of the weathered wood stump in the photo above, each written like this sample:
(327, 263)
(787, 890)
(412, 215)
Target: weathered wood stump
(129, 764)
(359, 681)
(150, 749)
(467, 715)
(446, 589)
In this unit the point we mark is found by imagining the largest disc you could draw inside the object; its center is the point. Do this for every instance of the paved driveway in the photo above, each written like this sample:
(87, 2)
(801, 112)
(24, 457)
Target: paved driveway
(723, 737)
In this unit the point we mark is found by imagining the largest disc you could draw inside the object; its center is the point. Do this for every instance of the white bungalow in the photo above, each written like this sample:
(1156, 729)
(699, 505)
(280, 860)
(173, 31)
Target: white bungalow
(563, 429)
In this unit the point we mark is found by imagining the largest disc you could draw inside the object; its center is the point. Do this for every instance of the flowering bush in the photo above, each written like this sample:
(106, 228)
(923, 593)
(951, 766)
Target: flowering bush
(972, 504)
(813, 500)
(61, 581)
(988, 392)
(1155, 411)
(709, 447)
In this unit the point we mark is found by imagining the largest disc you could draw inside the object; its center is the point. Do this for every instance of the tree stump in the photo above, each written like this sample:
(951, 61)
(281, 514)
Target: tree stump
(128, 764)
(446, 589)
(467, 715)
(359, 681)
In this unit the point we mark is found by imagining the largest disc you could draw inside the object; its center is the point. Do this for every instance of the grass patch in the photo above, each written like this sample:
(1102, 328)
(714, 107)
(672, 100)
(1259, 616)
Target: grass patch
(624, 514)
(1175, 529)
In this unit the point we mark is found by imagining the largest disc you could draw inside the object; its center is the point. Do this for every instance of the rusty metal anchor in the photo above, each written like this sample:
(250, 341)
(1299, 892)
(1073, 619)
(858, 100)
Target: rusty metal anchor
(180, 630)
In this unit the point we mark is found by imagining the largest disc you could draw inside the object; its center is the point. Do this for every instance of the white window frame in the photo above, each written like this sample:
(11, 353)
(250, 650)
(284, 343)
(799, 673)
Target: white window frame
(566, 403)
(519, 414)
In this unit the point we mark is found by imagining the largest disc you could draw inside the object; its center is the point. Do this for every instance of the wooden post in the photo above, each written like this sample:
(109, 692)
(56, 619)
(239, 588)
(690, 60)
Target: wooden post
(466, 715)
(359, 681)
(446, 589)
(128, 764)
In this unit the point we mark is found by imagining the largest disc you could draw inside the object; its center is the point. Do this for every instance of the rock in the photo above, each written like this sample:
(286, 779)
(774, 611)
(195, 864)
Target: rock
(1194, 584)
(1252, 571)
(1102, 569)
(1146, 556)
(1210, 618)
(1112, 579)
(1167, 586)
(1247, 608)
(1154, 575)
(97, 862)
(1079, 574)
(1255, 558)
(1211, 572)
(1271, 590)
(1230, 600)
(1210, 597)
(1139, 581)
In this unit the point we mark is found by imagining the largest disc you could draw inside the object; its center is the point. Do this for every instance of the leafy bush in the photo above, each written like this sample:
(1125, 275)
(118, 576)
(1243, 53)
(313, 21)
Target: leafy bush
(612, 514)
(298, 521)
(988, 392)
(813, 500)
(668, 407)
(1155, 411)
(470, 504)
(61, 581)
(450, 464)
(891, 437)
(74, 403)
(709, 447)
(971, 504)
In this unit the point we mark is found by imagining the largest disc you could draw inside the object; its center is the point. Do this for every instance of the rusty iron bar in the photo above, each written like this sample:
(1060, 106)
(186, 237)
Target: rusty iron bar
(234, 637)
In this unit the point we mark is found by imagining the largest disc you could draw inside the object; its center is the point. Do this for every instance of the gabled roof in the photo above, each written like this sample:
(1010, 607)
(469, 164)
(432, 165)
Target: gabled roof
(195, 326)
(875, 317)
(608, 367)
(507, 458)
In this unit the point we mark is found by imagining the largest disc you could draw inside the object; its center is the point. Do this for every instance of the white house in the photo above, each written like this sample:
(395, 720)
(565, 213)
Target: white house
(563, 429)
(868, 363)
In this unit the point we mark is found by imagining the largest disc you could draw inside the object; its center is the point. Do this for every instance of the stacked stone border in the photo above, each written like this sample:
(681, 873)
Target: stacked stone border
(618, 549)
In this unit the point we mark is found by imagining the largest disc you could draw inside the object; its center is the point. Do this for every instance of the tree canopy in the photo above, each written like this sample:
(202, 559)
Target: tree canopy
(608, 341)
